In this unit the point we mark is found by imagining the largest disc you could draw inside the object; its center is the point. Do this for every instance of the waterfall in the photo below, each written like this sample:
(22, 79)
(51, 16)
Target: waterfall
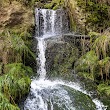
(45, 21)
(49, 24)
(46, 94)
(41, 58)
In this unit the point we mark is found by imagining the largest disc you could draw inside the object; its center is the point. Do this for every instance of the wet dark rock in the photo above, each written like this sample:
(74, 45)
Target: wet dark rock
(60, 57)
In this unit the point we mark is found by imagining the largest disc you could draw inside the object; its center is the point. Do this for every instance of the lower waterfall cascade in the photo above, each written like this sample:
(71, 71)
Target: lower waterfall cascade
(57, 94)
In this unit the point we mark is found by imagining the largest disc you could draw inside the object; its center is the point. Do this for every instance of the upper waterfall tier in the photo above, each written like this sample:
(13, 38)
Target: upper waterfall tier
(51, 22)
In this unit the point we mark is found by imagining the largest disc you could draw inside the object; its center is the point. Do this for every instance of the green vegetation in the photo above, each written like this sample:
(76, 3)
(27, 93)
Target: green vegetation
(89, 15)
(96, 14)
(92, 17)
(14, 85)
(15, 48)
(55, 4)
(87, 63)
(95, 64)
(104, 89)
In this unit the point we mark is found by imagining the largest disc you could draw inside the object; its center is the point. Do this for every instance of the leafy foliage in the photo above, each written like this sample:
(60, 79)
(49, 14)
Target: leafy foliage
(17, 45)
(87, 63)
(96, 14)
(102, 46)
(97, 60)
(14, 85)
(104, 89)
(55, 4)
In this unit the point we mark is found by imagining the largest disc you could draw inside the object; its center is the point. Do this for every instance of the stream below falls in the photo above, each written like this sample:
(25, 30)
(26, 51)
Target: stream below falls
(56, 94)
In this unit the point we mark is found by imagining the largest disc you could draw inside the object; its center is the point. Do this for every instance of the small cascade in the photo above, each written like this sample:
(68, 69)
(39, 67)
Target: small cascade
(48, 24)
(54, 95)
(51, 22)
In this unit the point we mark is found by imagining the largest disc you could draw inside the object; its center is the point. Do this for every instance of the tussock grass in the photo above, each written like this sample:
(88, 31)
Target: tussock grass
(14, 85)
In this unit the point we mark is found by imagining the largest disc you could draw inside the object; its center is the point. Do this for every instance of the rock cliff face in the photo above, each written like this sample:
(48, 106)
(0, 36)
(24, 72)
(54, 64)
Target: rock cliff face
(15, 15)
(15, 20)
(61, 54)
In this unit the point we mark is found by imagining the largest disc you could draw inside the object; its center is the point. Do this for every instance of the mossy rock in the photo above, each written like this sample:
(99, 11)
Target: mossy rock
(60, 60)
(81, 101)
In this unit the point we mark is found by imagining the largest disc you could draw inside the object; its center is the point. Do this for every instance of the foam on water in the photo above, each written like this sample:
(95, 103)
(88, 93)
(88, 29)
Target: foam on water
(41, 84)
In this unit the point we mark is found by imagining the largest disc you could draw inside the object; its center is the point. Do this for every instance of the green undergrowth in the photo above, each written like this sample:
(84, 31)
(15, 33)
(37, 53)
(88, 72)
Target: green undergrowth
(55, 4)
(97, 60)
(18, 44)
(5, 104)
(87, 64)
(104, 89)
(94, 65)
(96, 14)
(14, 85)
(86, 75)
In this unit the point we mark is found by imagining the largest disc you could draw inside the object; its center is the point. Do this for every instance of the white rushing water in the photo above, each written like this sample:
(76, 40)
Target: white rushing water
(41, 56)
(46, 94)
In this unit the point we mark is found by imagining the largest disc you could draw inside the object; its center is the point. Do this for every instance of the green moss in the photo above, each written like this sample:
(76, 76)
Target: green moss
(81, 101)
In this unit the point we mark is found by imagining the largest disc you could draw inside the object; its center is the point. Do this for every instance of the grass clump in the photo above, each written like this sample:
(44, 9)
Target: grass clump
(104, 89)
(17, 45)
(14, 85)
(87, 63)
